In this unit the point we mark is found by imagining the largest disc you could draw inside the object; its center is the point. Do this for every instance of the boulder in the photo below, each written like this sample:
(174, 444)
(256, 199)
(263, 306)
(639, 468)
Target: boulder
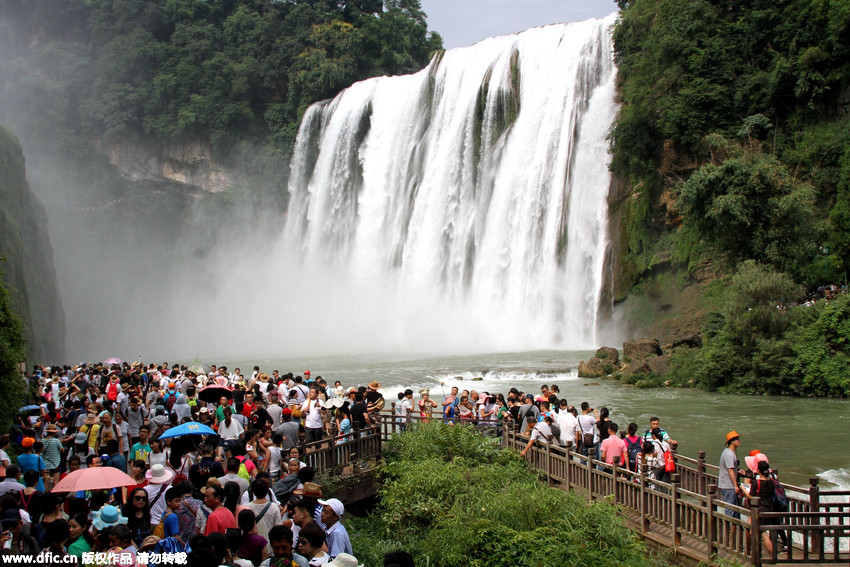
(593, 368)
(637, 367)
(691, 340)
(641, 348)
(659, 364)
(608, 354)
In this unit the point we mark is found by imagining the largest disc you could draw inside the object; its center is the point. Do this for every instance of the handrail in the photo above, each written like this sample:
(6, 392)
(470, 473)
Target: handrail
(690, 509)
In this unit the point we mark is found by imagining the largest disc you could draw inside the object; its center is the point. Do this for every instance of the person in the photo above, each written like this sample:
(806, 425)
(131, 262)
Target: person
(343, 416)
(633, 446)
(141, 449)
(158, 478)
(280, 540)
(568, 425)
(311, 409)
(587, 429)
(29, 461)
(337, 535)
(404, 407)
(727, 478)
(138, 514)
(52, 454)
(541, 430)
(10, 483)
(233, 468)
(170, 522)
(655, 423)
(426, 404)
(663, 450)
(81, 539)
(311, 539)
(266, 513)
(763, 487)
(613, 447)
(19, 542)
(254, 546)
(220, 518)
(527, 408)
(206, 467)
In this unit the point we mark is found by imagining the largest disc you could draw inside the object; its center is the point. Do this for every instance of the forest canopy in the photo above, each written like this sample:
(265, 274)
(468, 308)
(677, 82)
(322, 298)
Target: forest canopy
(178, 70)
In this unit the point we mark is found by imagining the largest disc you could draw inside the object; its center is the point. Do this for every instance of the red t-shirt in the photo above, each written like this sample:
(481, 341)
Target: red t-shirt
(219, 521)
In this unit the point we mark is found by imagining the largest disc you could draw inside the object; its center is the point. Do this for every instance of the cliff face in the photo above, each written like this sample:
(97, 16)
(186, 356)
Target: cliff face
(28, 269)
(190, 163)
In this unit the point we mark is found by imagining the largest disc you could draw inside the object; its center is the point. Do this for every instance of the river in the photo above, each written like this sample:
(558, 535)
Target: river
(795, 433)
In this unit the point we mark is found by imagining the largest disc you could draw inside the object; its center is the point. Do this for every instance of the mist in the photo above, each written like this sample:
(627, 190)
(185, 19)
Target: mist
(159, 270)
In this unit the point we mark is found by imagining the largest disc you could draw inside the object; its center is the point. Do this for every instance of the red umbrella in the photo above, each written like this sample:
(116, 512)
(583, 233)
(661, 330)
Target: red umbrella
(94, 478)
(213, 394)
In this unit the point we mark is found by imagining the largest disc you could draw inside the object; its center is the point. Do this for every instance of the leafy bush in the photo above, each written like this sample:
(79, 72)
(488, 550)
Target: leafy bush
(453, 497)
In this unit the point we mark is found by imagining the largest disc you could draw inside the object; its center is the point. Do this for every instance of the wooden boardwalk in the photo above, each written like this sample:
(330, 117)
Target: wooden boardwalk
(685, 516)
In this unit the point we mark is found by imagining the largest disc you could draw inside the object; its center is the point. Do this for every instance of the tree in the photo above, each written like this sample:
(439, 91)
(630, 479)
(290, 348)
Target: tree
(750, 208)
(12, 354)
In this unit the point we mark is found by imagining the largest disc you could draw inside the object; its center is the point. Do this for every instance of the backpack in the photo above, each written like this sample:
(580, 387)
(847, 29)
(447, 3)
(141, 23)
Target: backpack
(159, 530)
(112, 391)
(633, 449)
(780, 499)
(556, 429)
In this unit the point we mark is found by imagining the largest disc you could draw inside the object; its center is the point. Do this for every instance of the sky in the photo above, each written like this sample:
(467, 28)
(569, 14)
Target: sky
(464, 22)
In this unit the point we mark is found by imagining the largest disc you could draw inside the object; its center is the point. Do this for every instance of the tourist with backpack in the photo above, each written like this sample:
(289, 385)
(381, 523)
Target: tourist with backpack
(633, 446)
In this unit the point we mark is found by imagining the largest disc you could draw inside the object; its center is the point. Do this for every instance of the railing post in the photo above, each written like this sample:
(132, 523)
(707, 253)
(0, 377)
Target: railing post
(549, 463)
(814, 505)
(644, 501)
(675, 485)
(568, 466)
(591, 451)
(712, 522)
(614, 476)
(701, 479)
(755, 533)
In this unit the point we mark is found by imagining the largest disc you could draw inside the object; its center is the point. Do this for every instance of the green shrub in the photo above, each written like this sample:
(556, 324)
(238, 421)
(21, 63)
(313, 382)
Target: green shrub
(451, 496)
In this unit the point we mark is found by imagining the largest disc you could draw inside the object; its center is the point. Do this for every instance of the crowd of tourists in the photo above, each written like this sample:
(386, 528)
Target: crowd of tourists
(242, 495)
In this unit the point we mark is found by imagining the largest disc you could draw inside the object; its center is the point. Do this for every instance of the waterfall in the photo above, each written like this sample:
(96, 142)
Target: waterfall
(463, 207)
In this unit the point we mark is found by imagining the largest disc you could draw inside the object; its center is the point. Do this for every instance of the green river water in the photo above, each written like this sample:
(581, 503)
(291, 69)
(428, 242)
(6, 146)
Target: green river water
(802, 437)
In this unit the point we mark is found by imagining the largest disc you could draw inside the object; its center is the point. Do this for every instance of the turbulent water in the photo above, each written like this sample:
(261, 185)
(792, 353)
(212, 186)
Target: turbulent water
(465, 206)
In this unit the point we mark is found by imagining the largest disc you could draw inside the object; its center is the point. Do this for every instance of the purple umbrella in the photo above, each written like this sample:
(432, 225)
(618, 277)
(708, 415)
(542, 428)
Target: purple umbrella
(113, 360)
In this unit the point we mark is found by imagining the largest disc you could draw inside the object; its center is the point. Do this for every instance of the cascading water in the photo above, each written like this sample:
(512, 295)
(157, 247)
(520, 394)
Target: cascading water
(465, 206)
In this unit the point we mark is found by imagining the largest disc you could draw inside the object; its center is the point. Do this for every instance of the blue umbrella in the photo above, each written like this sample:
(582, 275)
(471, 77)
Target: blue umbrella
(190, 428)
(29, 408)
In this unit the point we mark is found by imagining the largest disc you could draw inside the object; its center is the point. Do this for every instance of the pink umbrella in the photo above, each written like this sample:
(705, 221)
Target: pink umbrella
(96, 478)
(113, 360)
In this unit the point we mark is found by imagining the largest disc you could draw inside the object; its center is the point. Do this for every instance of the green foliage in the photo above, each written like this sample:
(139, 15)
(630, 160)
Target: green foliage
(770, 75)
(747, 348)
(751, 208)
(12, 353)
(216, 70)
(822, 350)
(453, 497)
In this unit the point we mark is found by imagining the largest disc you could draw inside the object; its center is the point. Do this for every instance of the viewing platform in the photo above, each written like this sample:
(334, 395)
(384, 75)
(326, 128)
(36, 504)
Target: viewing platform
(685, 515)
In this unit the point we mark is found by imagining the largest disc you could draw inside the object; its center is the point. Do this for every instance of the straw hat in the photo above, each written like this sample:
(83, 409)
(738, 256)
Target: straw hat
(52, 428)
(344, 560)
(159, 474)
(91, 419)
(310, 490)
(375, 385)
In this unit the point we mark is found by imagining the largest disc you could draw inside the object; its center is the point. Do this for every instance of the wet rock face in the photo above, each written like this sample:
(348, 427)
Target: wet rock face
(690, 340)
(638, 349)
(28, 269)
(608, 354)
(593, 368)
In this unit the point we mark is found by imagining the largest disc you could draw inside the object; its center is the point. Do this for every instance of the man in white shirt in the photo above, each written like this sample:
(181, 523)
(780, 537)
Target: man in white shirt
(568, 424)
(541, 431)
(311, 409)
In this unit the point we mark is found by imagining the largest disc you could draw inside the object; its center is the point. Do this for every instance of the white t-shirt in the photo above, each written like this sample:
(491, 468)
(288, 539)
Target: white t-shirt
(314, 414)
(568, 424)
(541, 431)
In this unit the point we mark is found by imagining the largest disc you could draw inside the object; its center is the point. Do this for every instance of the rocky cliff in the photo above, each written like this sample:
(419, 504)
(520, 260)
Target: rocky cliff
(28, 268)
